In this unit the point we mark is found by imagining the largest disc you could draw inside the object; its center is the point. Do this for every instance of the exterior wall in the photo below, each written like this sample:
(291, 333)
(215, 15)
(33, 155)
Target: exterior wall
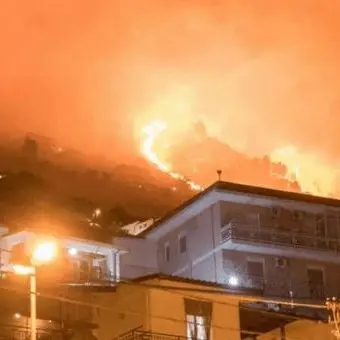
(279, 281)
(162, 311)
(302, 330)
(122, 311)
(52, 313)
(203, 236)
(168, 305)
(140, 258)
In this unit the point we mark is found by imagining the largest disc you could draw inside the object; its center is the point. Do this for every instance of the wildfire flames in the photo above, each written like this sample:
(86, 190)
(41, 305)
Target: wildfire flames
(314, 176)
(152, 131)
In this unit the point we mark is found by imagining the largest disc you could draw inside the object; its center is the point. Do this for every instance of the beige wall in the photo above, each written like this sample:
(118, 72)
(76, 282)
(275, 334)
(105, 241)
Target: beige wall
(301, 330)
(170, 305)
(122, 311)
(162, 310)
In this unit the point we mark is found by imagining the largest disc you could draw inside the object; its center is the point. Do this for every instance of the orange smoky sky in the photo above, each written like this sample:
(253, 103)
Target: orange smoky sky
(260, 74)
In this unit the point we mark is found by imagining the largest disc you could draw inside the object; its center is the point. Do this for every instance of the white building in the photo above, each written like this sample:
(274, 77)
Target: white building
(90, 261)
(286, 244)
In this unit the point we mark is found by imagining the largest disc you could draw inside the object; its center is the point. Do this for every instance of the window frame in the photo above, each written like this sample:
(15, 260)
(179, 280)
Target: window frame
(167, 255)
(182, 236)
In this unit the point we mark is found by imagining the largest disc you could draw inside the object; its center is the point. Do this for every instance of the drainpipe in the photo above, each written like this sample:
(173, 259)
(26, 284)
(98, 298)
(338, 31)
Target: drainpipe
(115, 264)
(213, 239)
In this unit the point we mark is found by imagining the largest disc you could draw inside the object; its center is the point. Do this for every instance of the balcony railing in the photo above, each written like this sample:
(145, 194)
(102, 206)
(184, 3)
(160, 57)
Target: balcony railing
(271, 236)
(139, 334)
(90, 277)
(252, 282)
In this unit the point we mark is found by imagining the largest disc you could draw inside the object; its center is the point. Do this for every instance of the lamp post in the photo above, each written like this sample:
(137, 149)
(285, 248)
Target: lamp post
(43, 253)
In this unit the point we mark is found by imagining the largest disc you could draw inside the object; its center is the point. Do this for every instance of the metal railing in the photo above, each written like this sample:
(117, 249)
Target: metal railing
(139, 334)
(252, 282)
(271, 236)
(90, 277)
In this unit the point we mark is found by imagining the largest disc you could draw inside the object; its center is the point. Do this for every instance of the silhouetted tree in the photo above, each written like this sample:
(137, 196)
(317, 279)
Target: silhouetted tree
(22, 188)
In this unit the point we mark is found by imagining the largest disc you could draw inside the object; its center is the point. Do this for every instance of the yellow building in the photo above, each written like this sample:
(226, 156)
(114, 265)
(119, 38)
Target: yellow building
(300, 330)
(166, 307)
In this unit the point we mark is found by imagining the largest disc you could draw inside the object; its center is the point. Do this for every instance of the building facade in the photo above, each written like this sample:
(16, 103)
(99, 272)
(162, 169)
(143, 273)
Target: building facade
(287, 244)
(64, 305)
(160, 307)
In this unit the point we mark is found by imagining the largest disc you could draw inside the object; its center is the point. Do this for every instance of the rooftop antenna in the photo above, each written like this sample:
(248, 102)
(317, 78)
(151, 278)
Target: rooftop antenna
(219, 173)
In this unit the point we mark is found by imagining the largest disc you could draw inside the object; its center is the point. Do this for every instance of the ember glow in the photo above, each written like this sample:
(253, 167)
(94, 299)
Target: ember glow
(152, 131)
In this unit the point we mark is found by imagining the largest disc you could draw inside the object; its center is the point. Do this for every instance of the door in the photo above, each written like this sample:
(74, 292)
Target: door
(316, 283)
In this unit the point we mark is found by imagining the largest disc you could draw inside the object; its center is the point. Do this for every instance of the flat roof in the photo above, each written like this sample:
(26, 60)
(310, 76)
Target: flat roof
(246, 190)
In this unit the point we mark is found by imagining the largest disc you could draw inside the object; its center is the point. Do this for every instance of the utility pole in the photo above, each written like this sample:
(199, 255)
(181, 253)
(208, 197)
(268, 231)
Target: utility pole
(33, 298)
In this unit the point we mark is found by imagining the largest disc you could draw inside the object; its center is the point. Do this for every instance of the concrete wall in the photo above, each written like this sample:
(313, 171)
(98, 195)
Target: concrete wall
(203, 236)
(162, 310)
(140, 259)
(279, 281)
(121, 311)
(300, 330)
(170, 306)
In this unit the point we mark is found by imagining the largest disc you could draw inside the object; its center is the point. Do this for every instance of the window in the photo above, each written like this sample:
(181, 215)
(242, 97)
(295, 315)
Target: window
(255, 273)
(198, 319)
(320, 226)
(182, 243)
(316, 283)
(167, 252)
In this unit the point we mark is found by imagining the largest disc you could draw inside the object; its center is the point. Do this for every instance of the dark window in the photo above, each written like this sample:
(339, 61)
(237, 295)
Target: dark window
(182, 244)
(316, 283)
(255, 274)
(320, 226)
(167, 252)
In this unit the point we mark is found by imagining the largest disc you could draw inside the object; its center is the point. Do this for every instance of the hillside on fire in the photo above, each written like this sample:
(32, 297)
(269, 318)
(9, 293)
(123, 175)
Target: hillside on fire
(41, 181)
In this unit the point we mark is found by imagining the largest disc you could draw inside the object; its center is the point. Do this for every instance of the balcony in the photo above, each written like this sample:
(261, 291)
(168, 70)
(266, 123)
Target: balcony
(91, 277)
(139, 334)
(236, 236)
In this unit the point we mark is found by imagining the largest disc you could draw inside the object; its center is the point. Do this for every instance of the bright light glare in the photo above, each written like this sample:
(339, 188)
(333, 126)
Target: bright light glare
(44, 252)
(233, 281)
(17, 316)
(73, 251)
(23, 270)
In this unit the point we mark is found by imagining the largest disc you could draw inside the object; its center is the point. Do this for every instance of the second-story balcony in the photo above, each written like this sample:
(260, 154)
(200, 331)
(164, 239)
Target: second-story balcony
(253, 238)
(91, 277)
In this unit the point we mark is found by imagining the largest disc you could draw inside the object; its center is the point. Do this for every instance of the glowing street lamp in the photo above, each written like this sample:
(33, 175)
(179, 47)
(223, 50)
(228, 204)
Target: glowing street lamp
(42, 253)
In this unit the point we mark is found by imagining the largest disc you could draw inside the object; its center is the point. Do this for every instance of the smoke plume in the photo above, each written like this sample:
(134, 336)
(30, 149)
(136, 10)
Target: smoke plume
(259, 74)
